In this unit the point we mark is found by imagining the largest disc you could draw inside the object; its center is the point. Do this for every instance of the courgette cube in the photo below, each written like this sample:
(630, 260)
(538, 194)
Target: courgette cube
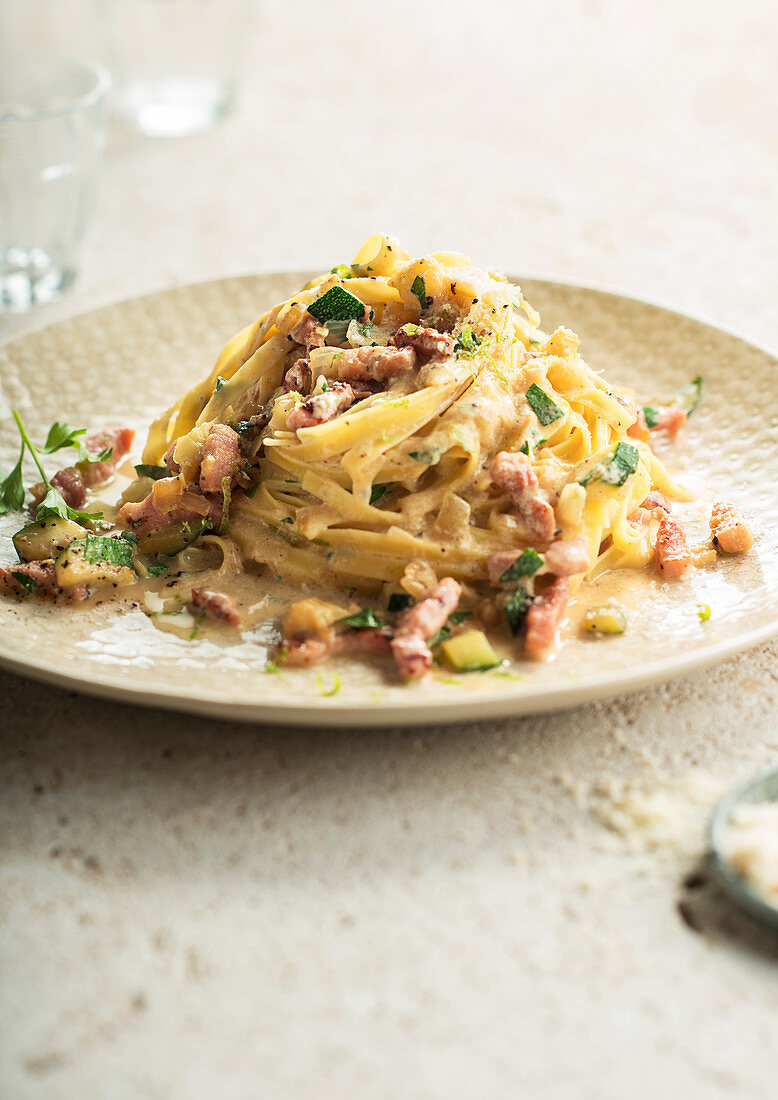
(73, 568)
(608, 619)
(47, 538)
(470, 652)
(172, 538)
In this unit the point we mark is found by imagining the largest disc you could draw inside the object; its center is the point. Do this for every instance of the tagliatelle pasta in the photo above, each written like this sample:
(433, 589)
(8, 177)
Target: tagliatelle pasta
(401, 432)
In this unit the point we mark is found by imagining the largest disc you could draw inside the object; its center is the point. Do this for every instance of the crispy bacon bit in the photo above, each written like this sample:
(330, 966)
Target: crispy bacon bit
(305, 650)
(672, 553)
(730, 530)
(298, 377)
(169, 461)
(221, 458)
(217, 605)
(512, 472)
(418, 624)
(309, 333)
(375, 364)
(321, 408)
(429, 344)
(655, 499)
(45, 576)
(542, 619)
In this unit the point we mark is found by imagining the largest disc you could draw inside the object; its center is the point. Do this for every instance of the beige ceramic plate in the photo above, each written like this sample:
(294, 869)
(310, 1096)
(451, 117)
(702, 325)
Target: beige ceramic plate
(124, 363)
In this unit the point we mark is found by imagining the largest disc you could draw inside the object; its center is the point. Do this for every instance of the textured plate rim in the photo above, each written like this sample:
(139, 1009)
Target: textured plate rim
(483, 705)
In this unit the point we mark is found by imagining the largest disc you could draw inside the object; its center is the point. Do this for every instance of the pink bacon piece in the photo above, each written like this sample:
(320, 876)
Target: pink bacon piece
(221, 458)
(563, 558)
(217, 605)
(429, 344)
(321, 408)
(729, 529)
(309, 333)
(543, 617)
(512, 472)
(73, 481)
(417, 625)
(670, 419)
(672, 553)
(375, 364)
(171, 502)
(44, 574)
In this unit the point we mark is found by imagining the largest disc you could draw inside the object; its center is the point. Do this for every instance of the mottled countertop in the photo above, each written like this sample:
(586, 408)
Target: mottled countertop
(194, 908)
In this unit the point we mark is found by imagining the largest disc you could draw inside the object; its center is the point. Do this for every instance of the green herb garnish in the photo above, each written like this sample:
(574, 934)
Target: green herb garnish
(651, 414)
(527, 563)
(616, 471)
(439, 637)
(524, 448)
(377, 492)
(114, 549)
(158, 568)
(398, 601)
(419, 289)
(429, 457)
(544, 407)
(61, 437)
(343, 271)
(53, 504)
(362, 620)
(516, 609)
(337, 304)
(28, 583)
(689, 396)
(466, 344)
(143, 469)
(703, 612)
(457, 617)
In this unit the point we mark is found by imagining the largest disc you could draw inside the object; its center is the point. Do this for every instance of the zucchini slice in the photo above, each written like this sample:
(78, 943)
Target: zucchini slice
(79, 564)
(47, 538)
(173, 537)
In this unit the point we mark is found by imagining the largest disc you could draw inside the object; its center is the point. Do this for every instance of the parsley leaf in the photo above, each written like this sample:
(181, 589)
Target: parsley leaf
(527, 563)
(53, 504)
(12, 489)
(108, 548)
(219, 382)
(516, 609)
(157, 568)
(543, 406)
(419, 289)
(457, 617)
(398, 601)
(362, 620)
(377, 492)
(651, 414)
(61, 437)
(28, 583)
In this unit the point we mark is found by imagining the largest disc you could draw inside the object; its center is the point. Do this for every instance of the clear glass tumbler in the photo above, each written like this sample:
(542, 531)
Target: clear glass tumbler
(52, 134)
(176, 63)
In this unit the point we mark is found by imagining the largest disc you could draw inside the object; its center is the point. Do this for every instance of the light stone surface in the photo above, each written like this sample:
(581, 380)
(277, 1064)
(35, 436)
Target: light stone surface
(194, 909)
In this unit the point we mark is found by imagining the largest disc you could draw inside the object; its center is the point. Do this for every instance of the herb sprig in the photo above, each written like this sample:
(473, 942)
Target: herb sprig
(60, 437)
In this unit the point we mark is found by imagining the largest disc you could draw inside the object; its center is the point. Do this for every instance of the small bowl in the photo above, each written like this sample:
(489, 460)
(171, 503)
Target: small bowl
(760, 788)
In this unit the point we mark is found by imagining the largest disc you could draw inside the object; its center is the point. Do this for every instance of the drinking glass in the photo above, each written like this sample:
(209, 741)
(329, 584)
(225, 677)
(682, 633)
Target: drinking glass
(52, 134)
(176, 63)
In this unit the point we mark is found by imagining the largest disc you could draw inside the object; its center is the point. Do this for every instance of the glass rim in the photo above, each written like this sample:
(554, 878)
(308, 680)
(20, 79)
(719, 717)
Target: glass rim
(101, 84)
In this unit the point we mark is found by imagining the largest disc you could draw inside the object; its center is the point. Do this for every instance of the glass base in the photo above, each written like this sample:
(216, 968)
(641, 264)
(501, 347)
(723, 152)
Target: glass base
(30, 277)
(173, 108)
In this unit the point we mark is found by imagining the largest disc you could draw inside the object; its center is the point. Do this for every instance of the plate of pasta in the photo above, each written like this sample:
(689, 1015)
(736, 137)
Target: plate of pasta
(408, 489)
